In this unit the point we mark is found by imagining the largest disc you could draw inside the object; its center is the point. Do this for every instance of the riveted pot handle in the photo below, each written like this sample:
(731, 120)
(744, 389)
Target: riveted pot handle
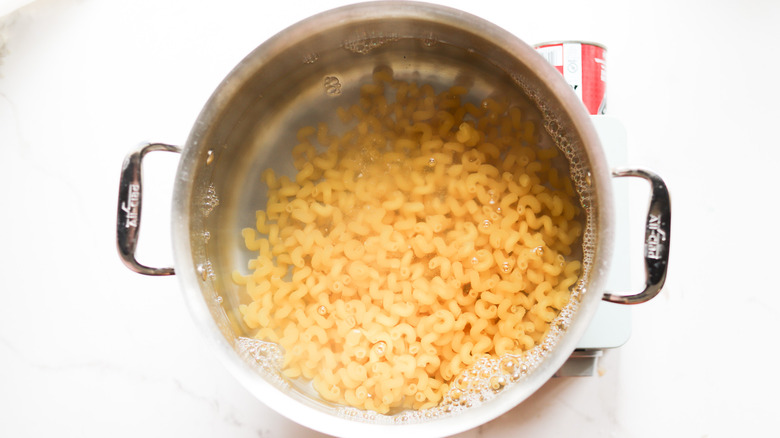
(657, 235)
(128, 215)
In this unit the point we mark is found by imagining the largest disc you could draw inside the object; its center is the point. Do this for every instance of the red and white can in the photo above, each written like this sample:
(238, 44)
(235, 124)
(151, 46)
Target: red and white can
(583, 66)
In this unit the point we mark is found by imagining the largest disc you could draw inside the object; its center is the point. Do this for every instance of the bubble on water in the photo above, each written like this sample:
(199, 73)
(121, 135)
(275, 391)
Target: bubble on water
(268, 357)
(322, 310)
(509, 364)
(210, 200)
(332, 85)
(365, 43)
(379, 348)
(506, 267)
(311, 58)
(486, 224)
(206, 271)
(497, 382)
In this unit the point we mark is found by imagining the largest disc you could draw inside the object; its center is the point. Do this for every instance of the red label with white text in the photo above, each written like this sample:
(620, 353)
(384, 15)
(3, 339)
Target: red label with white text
(583, 66)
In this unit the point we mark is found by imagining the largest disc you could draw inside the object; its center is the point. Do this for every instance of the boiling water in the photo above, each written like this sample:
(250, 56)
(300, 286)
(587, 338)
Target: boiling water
(338, 85)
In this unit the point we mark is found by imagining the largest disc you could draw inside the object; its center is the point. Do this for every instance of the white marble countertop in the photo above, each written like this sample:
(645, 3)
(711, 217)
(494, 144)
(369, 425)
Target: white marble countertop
(88, 348)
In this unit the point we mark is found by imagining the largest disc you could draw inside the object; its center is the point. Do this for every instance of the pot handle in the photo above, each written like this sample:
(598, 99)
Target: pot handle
(128, 221)
(657, 235)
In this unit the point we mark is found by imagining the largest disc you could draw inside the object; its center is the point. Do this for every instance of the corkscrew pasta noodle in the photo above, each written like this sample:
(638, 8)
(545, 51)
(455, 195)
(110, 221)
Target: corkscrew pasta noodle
(432, 231)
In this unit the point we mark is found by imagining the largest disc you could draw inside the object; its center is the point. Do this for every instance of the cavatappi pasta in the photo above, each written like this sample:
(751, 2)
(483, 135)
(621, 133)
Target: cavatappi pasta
(432, 231)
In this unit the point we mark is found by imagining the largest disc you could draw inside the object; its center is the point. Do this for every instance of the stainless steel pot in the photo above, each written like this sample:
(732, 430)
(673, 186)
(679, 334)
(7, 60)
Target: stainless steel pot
(299, 75)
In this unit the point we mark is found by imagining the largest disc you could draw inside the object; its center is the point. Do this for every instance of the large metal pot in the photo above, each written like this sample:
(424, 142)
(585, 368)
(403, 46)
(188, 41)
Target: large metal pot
(299, 75)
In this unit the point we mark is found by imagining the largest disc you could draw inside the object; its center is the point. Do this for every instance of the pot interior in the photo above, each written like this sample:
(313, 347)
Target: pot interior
(300, 78)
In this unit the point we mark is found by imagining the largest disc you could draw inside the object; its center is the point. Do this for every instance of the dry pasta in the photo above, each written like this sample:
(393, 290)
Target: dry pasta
(432, 231)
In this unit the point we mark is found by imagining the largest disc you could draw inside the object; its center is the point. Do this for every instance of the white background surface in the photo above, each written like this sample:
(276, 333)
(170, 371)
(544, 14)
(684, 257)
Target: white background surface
(88, 348)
